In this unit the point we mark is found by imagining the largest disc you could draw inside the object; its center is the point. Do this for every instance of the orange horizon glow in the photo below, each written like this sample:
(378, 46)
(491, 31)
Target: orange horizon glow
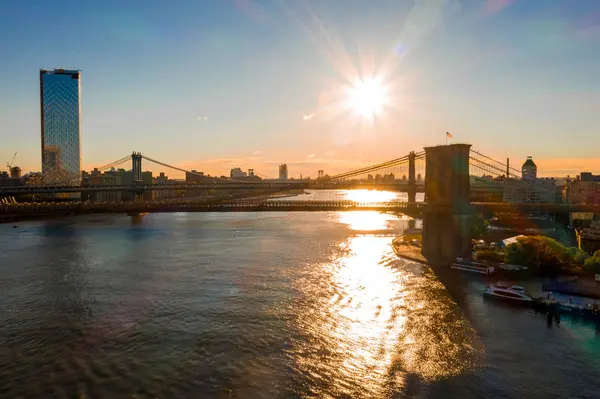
(547, 167)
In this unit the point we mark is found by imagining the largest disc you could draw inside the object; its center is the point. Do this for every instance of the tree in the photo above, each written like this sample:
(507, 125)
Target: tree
(479, 226)
(577, 256)
(545, 253)
(489, 255)
(592, 264)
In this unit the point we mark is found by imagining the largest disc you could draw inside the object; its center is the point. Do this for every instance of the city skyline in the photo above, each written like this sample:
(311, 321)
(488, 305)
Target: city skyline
(260, 87)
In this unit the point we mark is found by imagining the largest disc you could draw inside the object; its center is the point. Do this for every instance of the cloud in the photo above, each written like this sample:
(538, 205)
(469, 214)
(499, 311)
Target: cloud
(491, 7)
(251, 9)
(311, 156)
(308, 117)
(587, 27)
(329, 153)
(202, 118)
(258, 152)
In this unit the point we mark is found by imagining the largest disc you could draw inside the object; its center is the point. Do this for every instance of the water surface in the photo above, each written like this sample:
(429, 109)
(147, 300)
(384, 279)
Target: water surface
(262, 305)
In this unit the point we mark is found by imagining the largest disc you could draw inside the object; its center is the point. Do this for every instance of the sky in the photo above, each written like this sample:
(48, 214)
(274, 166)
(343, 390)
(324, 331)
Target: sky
(213, 84)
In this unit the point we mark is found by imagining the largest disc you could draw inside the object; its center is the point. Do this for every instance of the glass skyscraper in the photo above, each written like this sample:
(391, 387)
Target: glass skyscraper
(61, 126)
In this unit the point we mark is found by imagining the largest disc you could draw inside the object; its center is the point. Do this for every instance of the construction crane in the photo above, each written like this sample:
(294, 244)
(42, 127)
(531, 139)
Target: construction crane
(9, 165)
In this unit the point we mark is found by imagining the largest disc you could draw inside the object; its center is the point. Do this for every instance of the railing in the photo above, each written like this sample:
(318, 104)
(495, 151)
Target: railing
(197, 206)
(180, 205)
(207, 186)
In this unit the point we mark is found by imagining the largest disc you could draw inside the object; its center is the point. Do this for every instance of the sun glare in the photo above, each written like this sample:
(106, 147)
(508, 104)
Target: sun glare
(367, 97)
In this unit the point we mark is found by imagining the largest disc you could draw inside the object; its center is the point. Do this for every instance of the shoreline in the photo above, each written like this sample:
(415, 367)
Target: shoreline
(584, 286)
(408, 251)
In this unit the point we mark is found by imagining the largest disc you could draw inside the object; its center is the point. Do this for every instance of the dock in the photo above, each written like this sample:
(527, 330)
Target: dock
(472, 267)
(585, 288)
(408, 251)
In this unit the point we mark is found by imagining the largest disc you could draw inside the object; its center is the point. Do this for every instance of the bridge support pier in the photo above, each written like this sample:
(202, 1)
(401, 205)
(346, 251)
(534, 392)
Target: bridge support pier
(412, 181)
(447, 217)
(136, 175)
(136, 167)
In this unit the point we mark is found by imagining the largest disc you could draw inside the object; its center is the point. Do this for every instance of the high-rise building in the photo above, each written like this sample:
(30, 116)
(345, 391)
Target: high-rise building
(237, 173)
(60, 110)
(283, 172)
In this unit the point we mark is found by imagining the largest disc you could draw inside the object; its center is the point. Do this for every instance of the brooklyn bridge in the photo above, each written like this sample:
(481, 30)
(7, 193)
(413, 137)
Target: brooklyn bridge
(447, 206)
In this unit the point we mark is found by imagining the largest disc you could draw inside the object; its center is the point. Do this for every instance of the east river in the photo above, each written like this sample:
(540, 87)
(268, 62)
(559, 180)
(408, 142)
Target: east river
(263, 305)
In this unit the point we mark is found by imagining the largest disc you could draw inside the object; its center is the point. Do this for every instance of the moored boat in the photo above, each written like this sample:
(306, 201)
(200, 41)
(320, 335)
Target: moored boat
(473, 267)
(515, 293)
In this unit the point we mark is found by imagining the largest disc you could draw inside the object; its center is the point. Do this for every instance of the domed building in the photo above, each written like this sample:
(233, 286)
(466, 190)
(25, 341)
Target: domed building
(529, 169)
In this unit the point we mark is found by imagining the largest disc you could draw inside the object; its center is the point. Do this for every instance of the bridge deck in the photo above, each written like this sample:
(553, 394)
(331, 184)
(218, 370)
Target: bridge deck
(397, 186)
(272, 206)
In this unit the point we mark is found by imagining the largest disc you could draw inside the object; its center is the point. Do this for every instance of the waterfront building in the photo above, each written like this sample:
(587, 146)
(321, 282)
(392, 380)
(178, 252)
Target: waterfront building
(486, 189)
(583, 192)
(589, 177)
(588, 238)
(529, 169)
(147, 180)
(195, 177)
(237, 173)
(530, 190)
(11, 180)
(60, 110)
(163, 180)
(106, 179)
(283, 172)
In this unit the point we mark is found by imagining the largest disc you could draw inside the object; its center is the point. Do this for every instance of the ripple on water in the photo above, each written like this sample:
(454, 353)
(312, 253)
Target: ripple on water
(368, 325)
(258, 305)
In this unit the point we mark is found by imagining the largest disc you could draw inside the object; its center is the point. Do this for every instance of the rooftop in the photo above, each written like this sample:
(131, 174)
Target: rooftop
(529, 162)
(59, 71)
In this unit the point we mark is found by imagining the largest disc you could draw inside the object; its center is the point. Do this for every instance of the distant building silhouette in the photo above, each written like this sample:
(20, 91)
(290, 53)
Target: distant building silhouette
(237, 173)
(529, 169)
(283, 172)
(588, 176)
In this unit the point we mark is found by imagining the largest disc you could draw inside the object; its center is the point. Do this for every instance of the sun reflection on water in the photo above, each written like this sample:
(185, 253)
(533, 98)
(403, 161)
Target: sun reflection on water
(369, 196)
(370, 322)
(367, 290)
(366, 220)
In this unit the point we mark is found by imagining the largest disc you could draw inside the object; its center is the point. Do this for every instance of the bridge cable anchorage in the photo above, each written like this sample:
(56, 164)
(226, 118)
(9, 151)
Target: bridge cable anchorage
(372, 168)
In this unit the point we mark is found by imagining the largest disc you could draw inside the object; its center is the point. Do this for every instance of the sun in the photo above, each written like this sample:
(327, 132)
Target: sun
(367, 97)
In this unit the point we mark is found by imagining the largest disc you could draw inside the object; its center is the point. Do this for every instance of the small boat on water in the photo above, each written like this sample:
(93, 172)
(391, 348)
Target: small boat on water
(137, 213)
(473, 267)
(514, 293)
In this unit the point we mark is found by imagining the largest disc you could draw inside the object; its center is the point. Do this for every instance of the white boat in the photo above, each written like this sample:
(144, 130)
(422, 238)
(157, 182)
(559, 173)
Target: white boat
(514, 293)
(470, 266)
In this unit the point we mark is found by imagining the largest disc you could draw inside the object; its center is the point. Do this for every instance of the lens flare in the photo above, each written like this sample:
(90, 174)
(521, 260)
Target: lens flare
(367, 97)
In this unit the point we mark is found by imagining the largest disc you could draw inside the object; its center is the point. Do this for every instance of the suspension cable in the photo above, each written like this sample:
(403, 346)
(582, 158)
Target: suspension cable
(498, 162)
(115, 163)
(367, 169)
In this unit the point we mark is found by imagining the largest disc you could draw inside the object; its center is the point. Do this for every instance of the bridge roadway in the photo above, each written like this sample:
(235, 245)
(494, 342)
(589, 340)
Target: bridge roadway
(397, 186)
(416, 209)
(183, 206)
